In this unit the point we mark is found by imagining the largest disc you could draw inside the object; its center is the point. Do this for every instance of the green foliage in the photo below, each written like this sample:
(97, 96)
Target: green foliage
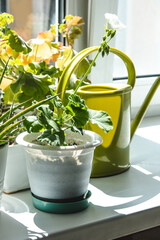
(53, 138)
(28, 78)
(28, 85)
(42, 68)
(77, 109)
(32, 124)
(101, 118)
(53, 123)
(17, 43)
(27, 65)
(10, 37)
(9, 122)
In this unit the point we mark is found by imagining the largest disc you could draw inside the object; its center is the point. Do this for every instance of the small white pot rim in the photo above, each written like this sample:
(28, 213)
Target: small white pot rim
(25, 139)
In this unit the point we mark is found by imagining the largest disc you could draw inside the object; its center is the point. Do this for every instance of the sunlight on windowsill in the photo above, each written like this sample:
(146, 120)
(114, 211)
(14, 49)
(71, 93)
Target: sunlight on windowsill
(19, 211)
(151, 203)
(151, 133)
(102, 199)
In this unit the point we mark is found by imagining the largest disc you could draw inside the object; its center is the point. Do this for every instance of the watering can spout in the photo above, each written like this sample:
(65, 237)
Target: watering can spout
(139, 116)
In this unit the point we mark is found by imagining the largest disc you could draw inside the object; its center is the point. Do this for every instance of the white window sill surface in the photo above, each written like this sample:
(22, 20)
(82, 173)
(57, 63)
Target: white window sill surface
(120, 205)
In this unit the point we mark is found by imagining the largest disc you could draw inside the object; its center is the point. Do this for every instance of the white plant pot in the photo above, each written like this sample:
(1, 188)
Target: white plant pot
(3, 159)
(59, 173)
(16, 177)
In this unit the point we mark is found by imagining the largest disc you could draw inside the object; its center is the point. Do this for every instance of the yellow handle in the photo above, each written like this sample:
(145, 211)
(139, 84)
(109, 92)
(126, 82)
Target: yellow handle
(62, 84)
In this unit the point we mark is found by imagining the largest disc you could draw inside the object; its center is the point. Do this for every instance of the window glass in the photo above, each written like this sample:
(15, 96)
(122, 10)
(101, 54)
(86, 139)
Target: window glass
(140, 39)
(32, 16)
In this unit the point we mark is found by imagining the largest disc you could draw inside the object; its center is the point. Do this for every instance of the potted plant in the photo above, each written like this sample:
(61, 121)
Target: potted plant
(59, 152)
(30, 73)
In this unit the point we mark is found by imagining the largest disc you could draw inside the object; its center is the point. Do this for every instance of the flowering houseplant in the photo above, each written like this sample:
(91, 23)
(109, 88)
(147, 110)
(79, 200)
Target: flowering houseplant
(27, 68)
(32, 74)
(71, 112)
(30, 69)
(67, 168)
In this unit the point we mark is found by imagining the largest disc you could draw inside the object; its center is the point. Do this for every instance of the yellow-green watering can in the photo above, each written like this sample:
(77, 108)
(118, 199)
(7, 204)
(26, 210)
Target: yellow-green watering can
(112, 157)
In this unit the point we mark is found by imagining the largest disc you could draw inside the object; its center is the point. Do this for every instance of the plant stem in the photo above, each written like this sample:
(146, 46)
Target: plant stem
(2, 63)
(4, 71)
(36, 53)
(68, 119)
(67, 40)
(6, 114)
(9, 128)
(9, 78)
(87, 72)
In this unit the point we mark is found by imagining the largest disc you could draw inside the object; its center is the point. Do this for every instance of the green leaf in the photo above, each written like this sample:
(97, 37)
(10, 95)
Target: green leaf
(44, 69)
(52, 71)
(77, 109)
(18, 44)
(45, 110)
(53, 138)
(21, 97)
(31, 85)
(80, 115)
(46, 118)
(32, 124)
(58, 103)
(37, 66)
(8, 96)
(101, 118)
(17, 84)
(75, 100)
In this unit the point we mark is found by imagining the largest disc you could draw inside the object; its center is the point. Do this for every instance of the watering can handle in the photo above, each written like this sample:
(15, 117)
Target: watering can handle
(129, 65)
(63, 81)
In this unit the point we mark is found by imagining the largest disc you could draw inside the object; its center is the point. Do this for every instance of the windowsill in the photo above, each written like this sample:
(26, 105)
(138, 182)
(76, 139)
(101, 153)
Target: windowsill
(120, 205)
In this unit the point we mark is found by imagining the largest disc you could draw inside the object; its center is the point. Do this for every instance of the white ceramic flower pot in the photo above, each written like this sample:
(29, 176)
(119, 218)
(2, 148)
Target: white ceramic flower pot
(59, 172)
(16, 177)
(3, 159)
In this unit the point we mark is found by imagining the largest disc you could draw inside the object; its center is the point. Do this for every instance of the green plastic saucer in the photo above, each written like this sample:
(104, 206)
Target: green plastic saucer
(63, 207)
